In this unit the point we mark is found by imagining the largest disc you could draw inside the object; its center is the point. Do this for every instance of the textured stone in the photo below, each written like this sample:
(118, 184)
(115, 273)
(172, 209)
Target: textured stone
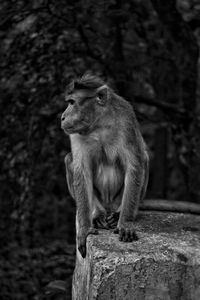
(164, 264)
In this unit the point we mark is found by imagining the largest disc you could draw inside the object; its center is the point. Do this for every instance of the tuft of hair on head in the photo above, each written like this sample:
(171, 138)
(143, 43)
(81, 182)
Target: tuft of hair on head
(87, 81)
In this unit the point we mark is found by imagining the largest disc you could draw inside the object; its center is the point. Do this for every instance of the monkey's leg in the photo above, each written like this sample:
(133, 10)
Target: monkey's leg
(130, 203)
(82, 194)
(146, 179)
(69, 173)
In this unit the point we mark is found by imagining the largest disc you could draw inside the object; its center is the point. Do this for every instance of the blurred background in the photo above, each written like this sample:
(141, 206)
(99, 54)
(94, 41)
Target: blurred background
(147, 50)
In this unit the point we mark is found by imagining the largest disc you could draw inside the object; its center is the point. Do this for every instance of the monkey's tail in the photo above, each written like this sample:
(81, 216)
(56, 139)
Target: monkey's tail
(170, 205)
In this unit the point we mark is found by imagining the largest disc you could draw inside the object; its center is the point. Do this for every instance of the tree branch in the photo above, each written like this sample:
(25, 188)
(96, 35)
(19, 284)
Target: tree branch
(161, 105)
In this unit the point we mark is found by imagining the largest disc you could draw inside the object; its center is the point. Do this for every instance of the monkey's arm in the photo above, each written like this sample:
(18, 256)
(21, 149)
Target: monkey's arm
(113, 219)
(78, 190)
(69, 174)
(83, 207)
(134, 180)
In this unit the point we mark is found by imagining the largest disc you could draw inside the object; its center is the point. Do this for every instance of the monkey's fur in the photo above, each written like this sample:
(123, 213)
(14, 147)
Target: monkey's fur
(107, 171)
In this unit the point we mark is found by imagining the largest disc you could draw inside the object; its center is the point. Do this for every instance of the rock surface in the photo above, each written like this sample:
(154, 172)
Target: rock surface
(164, 264)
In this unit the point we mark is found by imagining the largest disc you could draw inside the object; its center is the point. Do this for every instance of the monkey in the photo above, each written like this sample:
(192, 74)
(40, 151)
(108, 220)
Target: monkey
(107, 169)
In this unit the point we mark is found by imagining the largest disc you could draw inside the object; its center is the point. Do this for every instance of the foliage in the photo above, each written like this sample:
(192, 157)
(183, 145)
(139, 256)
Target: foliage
(25, 274)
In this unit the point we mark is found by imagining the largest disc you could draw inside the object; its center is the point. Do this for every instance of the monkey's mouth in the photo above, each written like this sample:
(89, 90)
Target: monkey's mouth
(80, 126)
(69, 129)
(75, 129)
(66, 127)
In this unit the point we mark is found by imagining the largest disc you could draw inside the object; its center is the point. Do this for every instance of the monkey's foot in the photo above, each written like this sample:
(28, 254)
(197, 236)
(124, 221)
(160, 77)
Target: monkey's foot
(126, 232)
(81, 239)
(100, 222)
(112, 220)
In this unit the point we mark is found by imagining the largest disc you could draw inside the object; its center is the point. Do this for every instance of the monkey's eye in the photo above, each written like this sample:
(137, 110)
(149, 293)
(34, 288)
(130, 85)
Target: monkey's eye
(70, 102)
(100, 101)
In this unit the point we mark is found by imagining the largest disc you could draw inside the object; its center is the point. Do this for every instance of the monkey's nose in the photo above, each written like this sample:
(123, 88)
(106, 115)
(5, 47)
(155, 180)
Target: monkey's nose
(62, 117)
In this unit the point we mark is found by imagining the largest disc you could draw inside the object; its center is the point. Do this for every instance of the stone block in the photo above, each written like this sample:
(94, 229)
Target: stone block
(164, 264)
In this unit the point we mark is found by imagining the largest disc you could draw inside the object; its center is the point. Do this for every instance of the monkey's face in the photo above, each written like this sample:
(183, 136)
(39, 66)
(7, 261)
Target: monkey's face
(84, 109)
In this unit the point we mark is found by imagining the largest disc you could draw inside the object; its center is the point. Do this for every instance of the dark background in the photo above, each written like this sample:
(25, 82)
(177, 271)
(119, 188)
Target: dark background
(148, 51)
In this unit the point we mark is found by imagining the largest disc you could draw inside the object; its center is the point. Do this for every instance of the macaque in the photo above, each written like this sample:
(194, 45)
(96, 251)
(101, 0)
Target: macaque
(107, 169)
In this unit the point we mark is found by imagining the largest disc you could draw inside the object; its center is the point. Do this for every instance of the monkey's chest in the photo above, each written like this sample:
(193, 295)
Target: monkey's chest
(108, 181)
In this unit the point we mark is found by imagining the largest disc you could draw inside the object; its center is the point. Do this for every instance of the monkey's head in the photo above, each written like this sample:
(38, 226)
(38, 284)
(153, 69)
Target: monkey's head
(87, 101)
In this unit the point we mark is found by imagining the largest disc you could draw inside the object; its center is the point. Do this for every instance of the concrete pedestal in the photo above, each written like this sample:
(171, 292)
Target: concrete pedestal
(164, 264)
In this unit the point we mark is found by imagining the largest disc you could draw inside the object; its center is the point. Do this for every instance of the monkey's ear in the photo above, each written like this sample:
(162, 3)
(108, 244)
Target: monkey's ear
(103, 95)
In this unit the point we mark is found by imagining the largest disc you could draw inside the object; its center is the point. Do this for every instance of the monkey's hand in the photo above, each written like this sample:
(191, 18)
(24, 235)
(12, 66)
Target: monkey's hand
(81, 239)
(126, 232)
(100, 222)
(112, 220)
